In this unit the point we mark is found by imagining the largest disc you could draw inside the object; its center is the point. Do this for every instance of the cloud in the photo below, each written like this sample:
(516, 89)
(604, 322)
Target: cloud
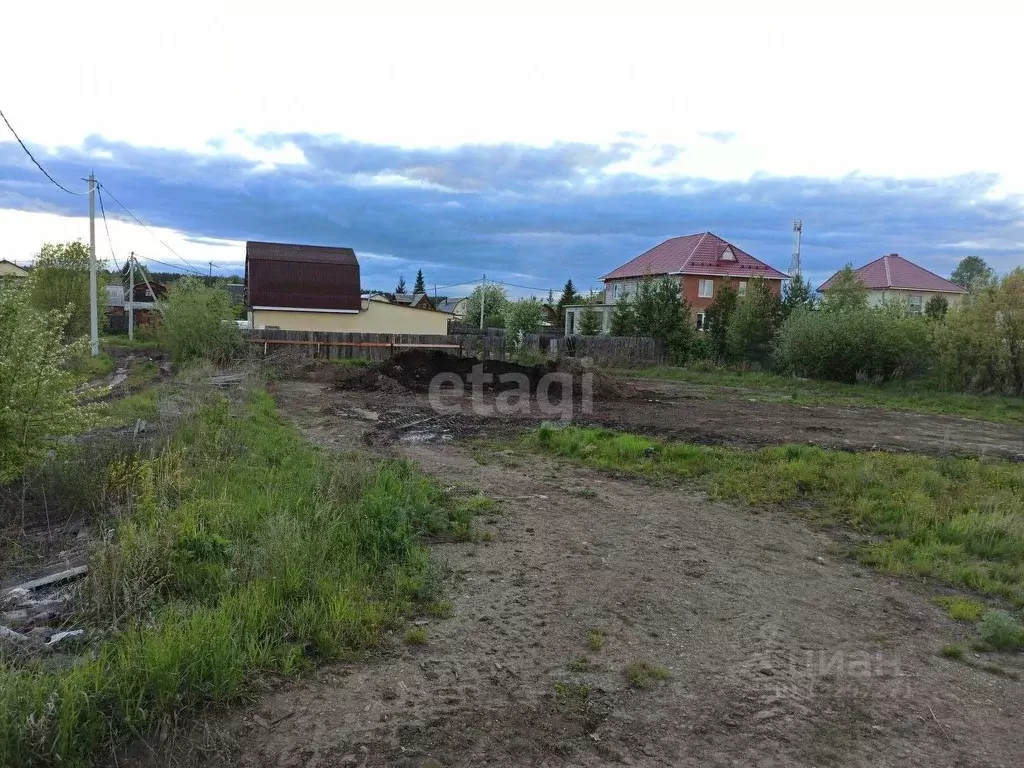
(553, 212)
(722, 137)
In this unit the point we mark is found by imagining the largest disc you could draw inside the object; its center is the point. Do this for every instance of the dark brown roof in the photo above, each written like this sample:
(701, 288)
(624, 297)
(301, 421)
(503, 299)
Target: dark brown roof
(302, 276)
(302, 254)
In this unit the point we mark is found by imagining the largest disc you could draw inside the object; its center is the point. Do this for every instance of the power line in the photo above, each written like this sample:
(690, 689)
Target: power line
(154, 234)
(107, 228)
(165, 264)
(33, 159)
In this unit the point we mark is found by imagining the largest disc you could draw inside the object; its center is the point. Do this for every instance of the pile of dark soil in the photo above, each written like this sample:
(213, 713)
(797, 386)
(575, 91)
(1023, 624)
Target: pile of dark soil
(415, 370)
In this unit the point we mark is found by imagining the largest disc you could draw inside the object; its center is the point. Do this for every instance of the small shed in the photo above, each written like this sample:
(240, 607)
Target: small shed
(301, 277)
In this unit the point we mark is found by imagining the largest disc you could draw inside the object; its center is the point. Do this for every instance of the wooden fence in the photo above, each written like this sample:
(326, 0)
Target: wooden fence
(604, 350)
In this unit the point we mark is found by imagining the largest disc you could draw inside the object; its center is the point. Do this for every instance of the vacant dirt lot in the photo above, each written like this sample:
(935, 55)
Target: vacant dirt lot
(781, 651)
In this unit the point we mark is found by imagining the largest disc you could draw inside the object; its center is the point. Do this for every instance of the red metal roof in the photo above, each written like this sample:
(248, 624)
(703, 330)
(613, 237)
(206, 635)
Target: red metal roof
(699, 254)
(893, 271)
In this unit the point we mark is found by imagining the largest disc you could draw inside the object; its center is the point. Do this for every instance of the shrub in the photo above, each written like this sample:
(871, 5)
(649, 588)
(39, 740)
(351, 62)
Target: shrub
(590, 319)
(199, 323)
(1000, 632)
(623, 322)
(875, 345)
(37, 389)
(750, 335)
(663, 314)
(521, 317)
(60, 281)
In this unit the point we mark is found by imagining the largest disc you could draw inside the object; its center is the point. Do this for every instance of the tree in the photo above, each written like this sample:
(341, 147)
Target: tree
(847, 292)
(663, 314)
(590, 318)
(551, 298)
(623, 322)
(37, 387)
(60, 281)
(973, 274)
(400, 288)
(199, 323)
(522, 316)
(936, 307)
(419, 286)
(568, 297)
(797, 294)
(753, 325)
(717, 318)
(495, 301)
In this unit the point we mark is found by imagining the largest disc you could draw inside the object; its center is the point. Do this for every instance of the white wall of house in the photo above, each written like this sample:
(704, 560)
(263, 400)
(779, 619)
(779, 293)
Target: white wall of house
(572, 317)
(913, 298)
(613, 289)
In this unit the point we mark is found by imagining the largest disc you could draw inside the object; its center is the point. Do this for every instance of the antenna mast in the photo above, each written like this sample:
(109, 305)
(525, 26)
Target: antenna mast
(794, 266)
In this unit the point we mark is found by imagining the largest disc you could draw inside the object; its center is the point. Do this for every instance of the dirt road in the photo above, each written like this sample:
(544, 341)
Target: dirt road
(780, 651)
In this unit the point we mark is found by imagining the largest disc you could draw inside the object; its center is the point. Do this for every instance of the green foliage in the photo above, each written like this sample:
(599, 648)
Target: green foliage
(663, 314)
(590, 319)
(1001, 632)
(419, 286)
(846, 292)
(623, 320)
(60, 281)
(716, 322)
(960, 608)
(852, 345)
(797, 294)
(973, 274)
(952, 651)
(495, 300)
(240, 550)
(416, 636)
(754, 323)
(643, 674)
(37, 388)
(521, 317)
(596, 639)
(956, 520)
(981, 342)
(569, 297)
(936, 307)
(199, 323)
(400, 287)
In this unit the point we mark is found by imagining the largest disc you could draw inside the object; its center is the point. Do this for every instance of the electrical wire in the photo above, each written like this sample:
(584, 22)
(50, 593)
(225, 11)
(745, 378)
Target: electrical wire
(143, 224)
(110, 242)
(33, 159)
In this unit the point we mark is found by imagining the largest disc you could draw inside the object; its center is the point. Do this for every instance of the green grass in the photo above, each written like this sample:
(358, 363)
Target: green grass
(952, 651)
(141, 374)
(916, 396)
(240, 550)
(125, 411)
(643, 674)
(116, 341)
(579, 664)
(960, 608)
(596, 639)
(960, 521)
(91, 368)
(416, 636)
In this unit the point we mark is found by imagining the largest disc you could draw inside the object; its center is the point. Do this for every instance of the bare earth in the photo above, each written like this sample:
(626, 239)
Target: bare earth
(782, 652)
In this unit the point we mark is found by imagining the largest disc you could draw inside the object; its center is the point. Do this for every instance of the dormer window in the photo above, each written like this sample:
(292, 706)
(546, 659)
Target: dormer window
(728, 255)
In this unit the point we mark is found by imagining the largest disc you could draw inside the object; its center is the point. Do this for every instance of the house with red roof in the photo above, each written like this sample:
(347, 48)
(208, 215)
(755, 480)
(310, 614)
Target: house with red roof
(702, 264)
(892, 277)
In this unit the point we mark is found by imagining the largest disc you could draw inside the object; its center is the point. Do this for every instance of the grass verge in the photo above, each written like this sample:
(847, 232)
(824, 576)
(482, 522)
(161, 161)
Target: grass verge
(239, 550)
(960, 521)
(772, 387)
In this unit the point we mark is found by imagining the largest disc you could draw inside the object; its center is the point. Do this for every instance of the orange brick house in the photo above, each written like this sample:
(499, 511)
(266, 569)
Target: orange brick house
(702, 263)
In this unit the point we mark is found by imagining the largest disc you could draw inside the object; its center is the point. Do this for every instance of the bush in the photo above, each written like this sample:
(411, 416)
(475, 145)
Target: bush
(1000, 632)
(199, 323)
(751, 330)
(874, 345)
(522, 317)
(37, 389)
(60, 281)
(663, 314)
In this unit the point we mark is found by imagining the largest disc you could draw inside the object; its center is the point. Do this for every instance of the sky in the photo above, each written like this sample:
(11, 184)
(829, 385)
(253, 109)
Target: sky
(555, 142)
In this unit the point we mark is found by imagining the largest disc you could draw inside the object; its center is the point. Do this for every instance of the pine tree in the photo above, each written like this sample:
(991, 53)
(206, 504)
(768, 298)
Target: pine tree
(400, 288)
(797, 294)
(568, 297)
(419, 287)
(623, 322)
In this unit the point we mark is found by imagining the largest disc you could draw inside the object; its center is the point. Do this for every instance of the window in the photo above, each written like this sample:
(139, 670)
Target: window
(615, 290)
(915, 305)
(701, 321)
(706, 289)
(742, 288)
(570, 317)
(728, 255)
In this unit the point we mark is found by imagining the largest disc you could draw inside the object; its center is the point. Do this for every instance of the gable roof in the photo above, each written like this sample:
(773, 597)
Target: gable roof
(699, 254)
(894, 272)
(306, 277)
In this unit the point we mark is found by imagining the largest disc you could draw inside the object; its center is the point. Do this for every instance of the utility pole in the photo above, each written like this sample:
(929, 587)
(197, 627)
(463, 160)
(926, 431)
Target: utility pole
(211, 270)
(483, 299)
(131, 297)
(794, 265)
(94, 321)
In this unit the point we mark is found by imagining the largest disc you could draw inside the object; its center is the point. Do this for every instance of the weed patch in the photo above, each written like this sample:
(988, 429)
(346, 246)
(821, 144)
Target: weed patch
(596, 639)
(960, 521)
(643, 674)
(416, 636)
(960, 608)
(239, 550)
(999, 631)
